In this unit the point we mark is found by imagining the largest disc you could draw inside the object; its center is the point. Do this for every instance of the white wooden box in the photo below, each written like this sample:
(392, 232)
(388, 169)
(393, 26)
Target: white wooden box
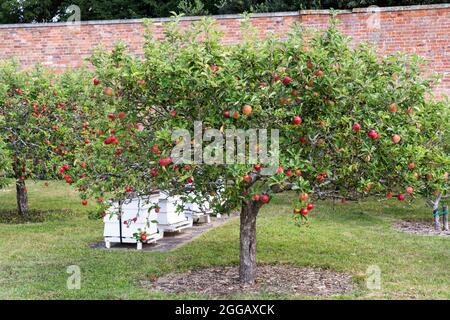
(168, 218)
(168, 210)
(116, 230)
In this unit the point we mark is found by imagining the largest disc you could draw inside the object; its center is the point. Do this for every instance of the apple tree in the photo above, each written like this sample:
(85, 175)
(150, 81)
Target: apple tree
(107, 132)
(32, 125)
(347, 122)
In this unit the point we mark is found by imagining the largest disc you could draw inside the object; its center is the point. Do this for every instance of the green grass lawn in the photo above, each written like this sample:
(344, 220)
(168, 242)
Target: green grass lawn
(345, 237)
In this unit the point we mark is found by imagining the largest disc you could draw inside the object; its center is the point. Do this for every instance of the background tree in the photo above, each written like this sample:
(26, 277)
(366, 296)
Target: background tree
(3, 163)
(14, 11)
(106, 132)
(352, 124)
(31, 125)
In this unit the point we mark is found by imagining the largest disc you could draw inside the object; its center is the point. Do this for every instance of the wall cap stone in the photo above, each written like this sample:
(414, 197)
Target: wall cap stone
(232, 16)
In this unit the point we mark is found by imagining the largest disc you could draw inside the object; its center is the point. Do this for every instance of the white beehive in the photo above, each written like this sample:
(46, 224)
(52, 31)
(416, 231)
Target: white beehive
(168, 217)
(198, 213)
(135, 215)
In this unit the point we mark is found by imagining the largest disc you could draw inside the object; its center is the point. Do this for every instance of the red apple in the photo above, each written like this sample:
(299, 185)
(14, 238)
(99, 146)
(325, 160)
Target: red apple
(265, 198)
(372, 134)
(143, 236)
(248, 179)
(356, 127)
(154, 172)
(236, 115)
(396, 138)
(155, 149)
(298, 172)
(411, 166)
(287, 80)
(393, 107)
(108, 91)
(67, 178)
(319, 73)
(247, 110)
(310, 206)
(226, 113)
(304, 212)
(409, 189)
(304, 196)
(84, 203)
(289, 173)
(389, 195)
(96, 82)
(121, 115)
(258, 167)
(173, 113)
(99, 200)
(190, 180)
(165, 161)
(302, 140)
(401, 197)
(256, 197)
(296, 120)
(214, 68)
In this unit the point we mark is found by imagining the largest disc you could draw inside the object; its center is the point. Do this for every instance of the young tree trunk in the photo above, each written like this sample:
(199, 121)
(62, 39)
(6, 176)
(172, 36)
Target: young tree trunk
(22, 198)
(21, 190)
(247, 268)
(435, 205)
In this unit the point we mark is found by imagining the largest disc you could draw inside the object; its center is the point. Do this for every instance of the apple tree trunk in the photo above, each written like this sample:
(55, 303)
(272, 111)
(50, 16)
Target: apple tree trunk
(435, 205)
(21, 191)
(247, 268)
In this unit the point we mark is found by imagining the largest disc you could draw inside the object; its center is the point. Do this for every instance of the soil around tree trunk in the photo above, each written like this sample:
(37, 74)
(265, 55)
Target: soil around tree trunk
(419, 228)
(288, 280)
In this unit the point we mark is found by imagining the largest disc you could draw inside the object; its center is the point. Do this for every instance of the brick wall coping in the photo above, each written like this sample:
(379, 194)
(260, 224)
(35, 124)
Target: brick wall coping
(233, 16)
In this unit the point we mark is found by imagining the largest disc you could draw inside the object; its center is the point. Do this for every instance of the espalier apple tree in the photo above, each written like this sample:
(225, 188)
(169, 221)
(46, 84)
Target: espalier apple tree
(350, 123)
(32, 127)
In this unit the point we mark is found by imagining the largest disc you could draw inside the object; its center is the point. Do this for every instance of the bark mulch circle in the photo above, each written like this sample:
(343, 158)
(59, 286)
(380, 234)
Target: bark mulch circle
(419, 228)
(282, 279)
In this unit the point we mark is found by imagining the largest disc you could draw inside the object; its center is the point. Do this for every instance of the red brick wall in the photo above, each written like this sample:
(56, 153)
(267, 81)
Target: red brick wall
(424, 30)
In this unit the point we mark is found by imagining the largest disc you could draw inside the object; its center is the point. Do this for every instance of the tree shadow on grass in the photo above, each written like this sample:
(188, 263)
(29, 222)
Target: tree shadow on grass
(34, 216)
